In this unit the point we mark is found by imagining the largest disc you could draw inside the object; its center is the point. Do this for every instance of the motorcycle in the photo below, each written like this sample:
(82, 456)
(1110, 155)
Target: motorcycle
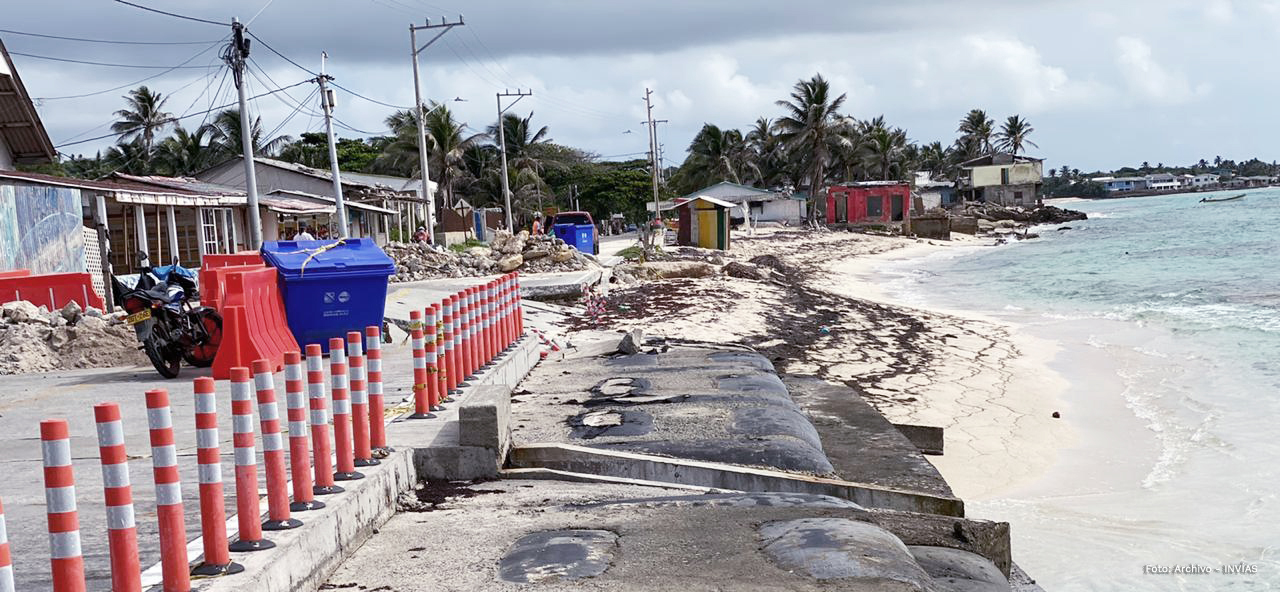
(169, 327)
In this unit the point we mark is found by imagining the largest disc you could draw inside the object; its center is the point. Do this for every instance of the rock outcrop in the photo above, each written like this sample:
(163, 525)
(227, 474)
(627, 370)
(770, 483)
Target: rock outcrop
(506, 252)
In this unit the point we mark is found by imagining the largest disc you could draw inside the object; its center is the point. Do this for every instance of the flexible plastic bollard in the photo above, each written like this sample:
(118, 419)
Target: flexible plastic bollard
(321, 445)
(459, 353)
(504, 309)
(342, 442)
(359, 400)
(464, 337)
(122, 532)
(430, 335)
(60, 500)
(448, 366)
(175, 572)
(213, 511)
(377, 408)
(491, 323)
(6, 562)
(248, 506)
(295, 398)
(278, 516)
(473, 331)
(421, 389)
(442, 367)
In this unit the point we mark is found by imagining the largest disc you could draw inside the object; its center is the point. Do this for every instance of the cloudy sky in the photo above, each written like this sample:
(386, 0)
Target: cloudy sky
(1104, 83)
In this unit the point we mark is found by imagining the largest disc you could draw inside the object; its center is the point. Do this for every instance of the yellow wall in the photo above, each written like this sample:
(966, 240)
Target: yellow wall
(1019, 174)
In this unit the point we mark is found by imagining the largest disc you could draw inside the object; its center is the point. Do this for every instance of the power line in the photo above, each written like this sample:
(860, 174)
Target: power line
(374, 101)
(69, 60)
(190, 18)
(280, 55)
(175, 119)
(108, 41)
(313, 73)
(153, 76)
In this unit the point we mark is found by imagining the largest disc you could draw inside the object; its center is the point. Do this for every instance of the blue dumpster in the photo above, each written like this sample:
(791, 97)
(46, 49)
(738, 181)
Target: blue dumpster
(330, 287)
(579, 236)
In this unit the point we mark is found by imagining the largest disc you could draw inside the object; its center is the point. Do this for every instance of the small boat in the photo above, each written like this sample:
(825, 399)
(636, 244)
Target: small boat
(1213, 200)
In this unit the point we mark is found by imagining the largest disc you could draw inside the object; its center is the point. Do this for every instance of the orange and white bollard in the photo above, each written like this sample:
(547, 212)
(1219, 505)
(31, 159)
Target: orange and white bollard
(504, 312)
(421, 390)
(278, 517)
(449, 363)
(164, 462)
(60, 504)
(295, 399)
(359, 400)
(321, 445)
(459, 368)
(491, 322)
(464, 338)
(431, 337)
(343, 444)
(519, 310)
(122, 532)
(6, 562)
(213, 511)
(248, 506)
(377, 408)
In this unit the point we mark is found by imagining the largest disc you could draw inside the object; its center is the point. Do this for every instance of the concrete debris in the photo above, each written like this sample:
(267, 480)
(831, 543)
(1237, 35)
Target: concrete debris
(36, 340)
(506, 252)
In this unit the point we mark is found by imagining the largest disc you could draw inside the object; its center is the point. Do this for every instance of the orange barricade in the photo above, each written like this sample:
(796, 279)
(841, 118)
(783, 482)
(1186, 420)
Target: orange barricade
(210, 286)
(213, 283)
(253, 322)
(53, 291)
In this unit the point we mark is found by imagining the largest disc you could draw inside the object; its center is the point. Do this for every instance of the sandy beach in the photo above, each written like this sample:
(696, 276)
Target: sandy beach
(987, 383)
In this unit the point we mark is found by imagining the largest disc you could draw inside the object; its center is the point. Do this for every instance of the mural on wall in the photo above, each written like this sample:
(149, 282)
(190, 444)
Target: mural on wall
(40, 229)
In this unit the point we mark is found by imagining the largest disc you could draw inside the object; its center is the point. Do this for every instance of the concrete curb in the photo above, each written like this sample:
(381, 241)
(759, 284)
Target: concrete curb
(303, 558)
(582, 459)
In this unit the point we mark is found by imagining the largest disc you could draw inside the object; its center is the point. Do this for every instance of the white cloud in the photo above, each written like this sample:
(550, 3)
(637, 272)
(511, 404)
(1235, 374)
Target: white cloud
(1219, 11)
(1002, 69)
(1148, 79)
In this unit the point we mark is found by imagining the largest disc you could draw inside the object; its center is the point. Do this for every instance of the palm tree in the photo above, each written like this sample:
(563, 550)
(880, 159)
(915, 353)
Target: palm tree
(142, 120)
(714, 155)
(810, 124)
(768, 155)
(186, 153)
(1013, 135)
(523, 142)
(447, 143)
(128, 157)
(1053, 173)
(884, 151)
(933, 158)
(226, 138)
(976, 131)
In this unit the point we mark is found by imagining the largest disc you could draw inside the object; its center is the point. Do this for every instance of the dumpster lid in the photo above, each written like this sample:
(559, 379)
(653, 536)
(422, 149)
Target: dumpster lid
(327, 258)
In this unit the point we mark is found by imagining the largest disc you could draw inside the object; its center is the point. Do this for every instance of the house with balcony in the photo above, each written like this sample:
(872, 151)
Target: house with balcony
(1125, 184)
(1002, 178)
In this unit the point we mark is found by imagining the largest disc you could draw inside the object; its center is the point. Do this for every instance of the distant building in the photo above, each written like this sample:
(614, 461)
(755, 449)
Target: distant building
(22, 136)
(1125, 184)
(869, 203)
(934, 193)
(763, 205)
(1002, 178)
(1162, 182)
(1197, 181)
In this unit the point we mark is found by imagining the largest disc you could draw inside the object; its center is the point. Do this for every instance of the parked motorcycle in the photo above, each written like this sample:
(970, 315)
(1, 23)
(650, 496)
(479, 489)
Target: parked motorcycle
(169, 327)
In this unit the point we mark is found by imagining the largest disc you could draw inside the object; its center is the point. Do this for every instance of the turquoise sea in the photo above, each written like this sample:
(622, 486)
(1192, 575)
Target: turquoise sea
(1167, 311)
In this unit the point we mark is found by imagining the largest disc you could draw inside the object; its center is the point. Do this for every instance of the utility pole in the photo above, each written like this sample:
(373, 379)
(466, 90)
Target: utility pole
(444, 27)
(653, 152)
(327, 102)
(502, 142)
(235, 57)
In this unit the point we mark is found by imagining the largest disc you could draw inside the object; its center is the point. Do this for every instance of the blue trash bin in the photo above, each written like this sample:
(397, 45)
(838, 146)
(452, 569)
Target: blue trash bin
(578, 236)
(330, 287)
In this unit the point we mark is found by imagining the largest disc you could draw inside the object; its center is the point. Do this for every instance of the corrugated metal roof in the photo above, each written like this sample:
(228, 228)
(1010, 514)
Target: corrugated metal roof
(20, 125)
(330, 201)
(129, 190)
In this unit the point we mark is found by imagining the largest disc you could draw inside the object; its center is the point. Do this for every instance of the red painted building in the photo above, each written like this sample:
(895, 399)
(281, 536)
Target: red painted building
(873, 202)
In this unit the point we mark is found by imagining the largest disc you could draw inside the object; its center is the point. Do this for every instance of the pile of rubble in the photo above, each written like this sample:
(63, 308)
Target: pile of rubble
(34, 339)
(1041, 215)
(506, 252)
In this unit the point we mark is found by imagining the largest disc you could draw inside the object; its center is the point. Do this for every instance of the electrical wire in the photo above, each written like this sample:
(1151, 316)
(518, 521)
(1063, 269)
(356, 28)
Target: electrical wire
(69, 60)
(175, 119)
(136, 82)
(313, 73)
(374, 101)
(109, 41)
(189, 18)
(280, 55)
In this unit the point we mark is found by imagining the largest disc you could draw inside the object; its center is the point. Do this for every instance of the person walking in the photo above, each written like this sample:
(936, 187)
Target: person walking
(303, 234)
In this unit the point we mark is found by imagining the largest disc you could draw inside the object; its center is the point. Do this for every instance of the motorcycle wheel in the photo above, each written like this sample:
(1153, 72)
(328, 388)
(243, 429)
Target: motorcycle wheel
(201, 355)
(167, 368)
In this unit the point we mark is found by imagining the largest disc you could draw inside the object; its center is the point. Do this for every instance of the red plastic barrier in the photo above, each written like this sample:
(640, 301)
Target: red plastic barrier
(211, 287)
(53, 291)
(14, 274)
(253, 322)
(213, 283)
